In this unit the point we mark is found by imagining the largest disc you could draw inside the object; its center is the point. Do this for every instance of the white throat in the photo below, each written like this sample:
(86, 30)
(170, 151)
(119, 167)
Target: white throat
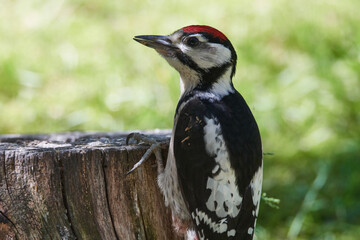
(186, 85)
(220, 88)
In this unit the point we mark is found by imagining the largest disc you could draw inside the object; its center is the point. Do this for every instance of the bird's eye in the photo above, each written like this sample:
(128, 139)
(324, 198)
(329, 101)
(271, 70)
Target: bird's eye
(192, 42)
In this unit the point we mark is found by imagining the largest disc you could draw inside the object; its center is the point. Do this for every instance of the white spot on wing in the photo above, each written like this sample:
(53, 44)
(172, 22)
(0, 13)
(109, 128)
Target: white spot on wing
(250, 230)
(224, 199)
(231, 233)
(216, 168)
(255, 185)
(217, 227)
(201, 235)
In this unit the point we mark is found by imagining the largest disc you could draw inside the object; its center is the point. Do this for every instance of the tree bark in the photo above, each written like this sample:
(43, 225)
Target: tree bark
(74, 186)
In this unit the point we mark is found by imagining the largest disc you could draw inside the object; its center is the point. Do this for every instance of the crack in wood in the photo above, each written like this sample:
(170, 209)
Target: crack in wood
(9, 194)
(142, 218)
(63, 192)
(46, 228)
(138, 212)
(142, 224)
(6, 180)
(5, 219)
(103, 159)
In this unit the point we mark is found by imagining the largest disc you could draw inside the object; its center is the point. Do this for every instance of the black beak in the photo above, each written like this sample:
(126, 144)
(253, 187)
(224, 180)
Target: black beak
(161, 44)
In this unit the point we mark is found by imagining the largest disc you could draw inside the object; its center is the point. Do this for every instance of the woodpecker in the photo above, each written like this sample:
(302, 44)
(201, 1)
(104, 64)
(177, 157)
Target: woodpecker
(213, 175)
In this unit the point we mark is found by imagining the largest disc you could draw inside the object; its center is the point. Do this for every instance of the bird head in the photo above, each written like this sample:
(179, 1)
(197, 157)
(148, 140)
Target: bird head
(204, 57)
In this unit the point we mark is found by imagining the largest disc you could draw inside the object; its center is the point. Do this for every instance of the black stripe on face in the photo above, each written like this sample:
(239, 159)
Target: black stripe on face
(187, 61)
(207, 76)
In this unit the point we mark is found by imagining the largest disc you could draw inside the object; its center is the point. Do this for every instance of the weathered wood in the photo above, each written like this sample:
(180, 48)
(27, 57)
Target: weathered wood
(74, 186)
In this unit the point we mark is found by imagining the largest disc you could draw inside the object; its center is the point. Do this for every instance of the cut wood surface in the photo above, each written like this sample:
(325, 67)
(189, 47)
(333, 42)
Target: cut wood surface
(74, 186)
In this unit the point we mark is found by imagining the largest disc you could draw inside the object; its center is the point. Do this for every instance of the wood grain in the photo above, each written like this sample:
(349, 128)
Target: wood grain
(74, 186)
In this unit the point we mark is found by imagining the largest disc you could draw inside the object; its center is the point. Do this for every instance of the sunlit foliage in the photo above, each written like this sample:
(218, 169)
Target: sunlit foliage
(72, 65)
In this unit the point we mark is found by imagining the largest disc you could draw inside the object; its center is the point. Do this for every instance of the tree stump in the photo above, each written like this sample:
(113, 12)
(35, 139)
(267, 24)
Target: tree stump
(74, 186)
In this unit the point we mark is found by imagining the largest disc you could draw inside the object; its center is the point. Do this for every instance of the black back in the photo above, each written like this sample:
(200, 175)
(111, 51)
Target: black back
(195, 165)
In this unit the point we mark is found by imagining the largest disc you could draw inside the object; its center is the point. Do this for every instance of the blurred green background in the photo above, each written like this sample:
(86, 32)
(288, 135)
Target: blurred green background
(72, 65)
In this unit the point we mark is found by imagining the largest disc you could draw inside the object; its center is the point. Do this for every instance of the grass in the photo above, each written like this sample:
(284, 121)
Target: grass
(72, 65)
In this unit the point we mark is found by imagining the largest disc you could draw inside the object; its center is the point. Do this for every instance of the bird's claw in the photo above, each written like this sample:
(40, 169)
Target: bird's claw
(155, 147)
(139, 137)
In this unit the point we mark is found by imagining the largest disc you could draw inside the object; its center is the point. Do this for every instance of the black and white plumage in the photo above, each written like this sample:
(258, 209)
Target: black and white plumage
(213, 176)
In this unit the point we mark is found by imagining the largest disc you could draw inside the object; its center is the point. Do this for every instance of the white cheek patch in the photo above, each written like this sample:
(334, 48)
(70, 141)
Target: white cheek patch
(216, 55)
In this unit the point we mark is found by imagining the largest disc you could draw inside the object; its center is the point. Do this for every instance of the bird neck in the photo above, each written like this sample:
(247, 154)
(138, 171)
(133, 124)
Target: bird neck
(220, 87)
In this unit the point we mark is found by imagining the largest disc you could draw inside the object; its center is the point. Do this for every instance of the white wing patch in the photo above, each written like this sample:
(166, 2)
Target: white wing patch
(224, 199)
(217, 227)
(255, 185)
